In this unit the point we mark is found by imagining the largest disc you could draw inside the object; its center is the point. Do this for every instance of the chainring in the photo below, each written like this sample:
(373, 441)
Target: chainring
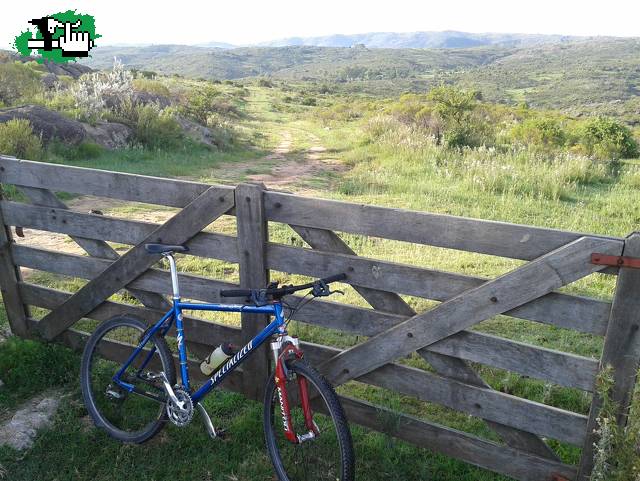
(180, 414)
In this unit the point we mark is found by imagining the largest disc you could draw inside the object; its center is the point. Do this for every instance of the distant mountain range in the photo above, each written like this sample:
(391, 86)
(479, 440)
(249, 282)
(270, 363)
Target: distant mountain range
(446, 39)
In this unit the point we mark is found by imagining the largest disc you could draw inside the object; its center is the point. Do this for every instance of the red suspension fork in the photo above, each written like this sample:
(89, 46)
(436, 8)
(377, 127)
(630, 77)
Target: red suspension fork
(281, 385)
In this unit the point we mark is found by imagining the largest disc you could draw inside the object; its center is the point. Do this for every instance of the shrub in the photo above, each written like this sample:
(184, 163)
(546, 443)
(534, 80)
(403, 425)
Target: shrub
(309, 101)
(151, 86)
(541, 133)
(263, 82)
(98, 91)
(17, 139)
(200, 102)
(82, 151)
(606, 138)
(156, 128)
(18, 81)
(616, 451)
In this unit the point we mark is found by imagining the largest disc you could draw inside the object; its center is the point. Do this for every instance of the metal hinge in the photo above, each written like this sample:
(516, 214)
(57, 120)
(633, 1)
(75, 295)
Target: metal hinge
(615, 261)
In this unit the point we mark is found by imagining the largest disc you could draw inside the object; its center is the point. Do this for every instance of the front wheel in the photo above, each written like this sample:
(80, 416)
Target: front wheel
(327, 457)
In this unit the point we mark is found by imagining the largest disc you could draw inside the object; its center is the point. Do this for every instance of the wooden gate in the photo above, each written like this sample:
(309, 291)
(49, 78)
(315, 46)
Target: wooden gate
(389, 329)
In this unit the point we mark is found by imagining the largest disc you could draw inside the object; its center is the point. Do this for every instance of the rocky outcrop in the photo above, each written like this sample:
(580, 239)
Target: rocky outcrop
(111, 135)
(196, 132)
(47, 124)
(50, 125)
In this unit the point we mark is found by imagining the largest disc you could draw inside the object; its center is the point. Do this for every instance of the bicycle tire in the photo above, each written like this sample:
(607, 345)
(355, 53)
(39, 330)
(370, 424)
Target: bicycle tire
(99, 418)
(272, 425)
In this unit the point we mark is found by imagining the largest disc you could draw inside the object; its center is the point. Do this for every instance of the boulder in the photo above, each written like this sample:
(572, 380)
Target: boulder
(50, 125)
(47, 124)
(196, 132)
(111, 135)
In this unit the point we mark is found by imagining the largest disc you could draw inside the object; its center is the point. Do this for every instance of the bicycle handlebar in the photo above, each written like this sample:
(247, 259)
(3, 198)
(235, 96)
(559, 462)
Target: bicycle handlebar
(278, 292)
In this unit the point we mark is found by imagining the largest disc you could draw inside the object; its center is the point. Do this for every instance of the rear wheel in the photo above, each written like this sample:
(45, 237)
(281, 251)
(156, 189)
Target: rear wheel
(125, 415)
(327, 457)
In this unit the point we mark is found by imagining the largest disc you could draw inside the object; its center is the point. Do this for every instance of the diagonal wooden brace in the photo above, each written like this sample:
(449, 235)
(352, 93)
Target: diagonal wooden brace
(535, 279)
(207, 207)
(452, 367)
(93, 247)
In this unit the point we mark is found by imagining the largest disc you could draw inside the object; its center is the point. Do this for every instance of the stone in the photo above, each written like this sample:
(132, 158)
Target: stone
(20, 431)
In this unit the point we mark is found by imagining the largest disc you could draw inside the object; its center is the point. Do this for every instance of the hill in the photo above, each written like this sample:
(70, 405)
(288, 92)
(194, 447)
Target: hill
(446, 39)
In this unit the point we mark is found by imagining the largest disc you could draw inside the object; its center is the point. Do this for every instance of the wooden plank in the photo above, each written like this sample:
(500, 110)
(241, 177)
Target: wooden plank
(485, 237)
(450, 442)
(533, 361)
(116, 351)
(196, 330)
(17, 311)
(562, 310)
(93, 247)
(535, 279)
(621, 350)
(101, 183)
(181, 227)
(483, 402)
(252, 239)
(114, 229)
(443, 364)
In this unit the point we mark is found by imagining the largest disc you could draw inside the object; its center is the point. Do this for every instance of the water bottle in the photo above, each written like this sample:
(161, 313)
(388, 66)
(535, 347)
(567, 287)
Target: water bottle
(219, 355)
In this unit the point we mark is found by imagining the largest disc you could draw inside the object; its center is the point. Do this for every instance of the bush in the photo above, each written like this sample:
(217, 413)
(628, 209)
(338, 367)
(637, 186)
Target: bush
(201, 102)
(98, 91)
(17, 139)
(540, 133)
(18, 81)
(309, 101)
(607, 138)
(151, 86)
(155, 128)
(616, 451)
(82, 151)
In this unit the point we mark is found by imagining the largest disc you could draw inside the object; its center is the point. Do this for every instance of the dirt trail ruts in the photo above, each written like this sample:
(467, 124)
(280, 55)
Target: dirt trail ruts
(290, 171)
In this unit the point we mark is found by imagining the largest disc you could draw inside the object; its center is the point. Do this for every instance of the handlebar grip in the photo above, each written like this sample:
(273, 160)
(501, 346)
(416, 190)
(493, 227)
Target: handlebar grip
(334, 278)
(235, 293)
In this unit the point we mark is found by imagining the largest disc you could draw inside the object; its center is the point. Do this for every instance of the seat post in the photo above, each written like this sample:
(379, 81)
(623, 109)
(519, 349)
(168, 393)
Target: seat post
(174, 274)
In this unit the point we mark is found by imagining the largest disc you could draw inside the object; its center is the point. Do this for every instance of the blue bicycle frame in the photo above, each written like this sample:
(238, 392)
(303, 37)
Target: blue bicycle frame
(175, 313)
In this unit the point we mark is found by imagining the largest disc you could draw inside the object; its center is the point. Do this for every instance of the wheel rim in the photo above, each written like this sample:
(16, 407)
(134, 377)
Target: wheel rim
(128, 414)
(316, 460)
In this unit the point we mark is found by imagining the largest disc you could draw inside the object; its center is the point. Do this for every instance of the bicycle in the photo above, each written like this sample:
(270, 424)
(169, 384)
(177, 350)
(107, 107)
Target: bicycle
(133, 401)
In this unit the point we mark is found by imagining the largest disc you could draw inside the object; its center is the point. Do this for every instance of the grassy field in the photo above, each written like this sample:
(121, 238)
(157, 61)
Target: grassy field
(398, 169)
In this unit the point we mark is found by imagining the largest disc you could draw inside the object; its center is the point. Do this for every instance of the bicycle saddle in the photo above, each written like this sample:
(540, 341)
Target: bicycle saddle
(162, 248)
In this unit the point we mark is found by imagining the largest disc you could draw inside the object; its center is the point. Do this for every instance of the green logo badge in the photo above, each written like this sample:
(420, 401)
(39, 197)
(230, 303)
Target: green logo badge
(59, 37)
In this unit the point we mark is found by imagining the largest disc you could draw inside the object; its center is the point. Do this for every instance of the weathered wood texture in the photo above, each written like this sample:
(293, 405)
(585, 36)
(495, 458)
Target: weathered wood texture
(17, 311)
(252, 240)
(486, 237)
(198, 214)
(441, 336)
(535, 279)
(621, 350)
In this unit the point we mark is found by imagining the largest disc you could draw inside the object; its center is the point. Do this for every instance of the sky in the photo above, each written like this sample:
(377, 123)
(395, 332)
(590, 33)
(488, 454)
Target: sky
(254, 21)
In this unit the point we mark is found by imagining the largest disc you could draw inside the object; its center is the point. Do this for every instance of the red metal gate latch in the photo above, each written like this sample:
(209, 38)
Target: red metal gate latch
(615, 261)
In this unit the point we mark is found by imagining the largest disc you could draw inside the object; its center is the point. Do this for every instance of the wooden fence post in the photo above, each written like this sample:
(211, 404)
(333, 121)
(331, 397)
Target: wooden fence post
(252, 241)
(17, 311)
(621, 350)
